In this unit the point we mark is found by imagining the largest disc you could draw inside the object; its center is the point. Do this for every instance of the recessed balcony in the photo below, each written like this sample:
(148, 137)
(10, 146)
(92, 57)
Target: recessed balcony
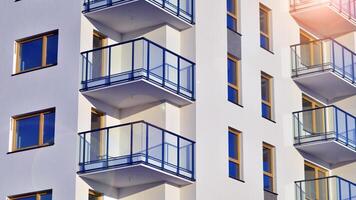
(324, 68)
(326, 188)
(326, 134)
(127, 16)
(137, 72)
(325, 18)
(134, 154)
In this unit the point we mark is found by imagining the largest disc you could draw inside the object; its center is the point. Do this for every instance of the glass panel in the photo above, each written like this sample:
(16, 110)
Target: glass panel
(264, 42)
(267, 160)
(267, 183)
(234, 170)
(155, 146)
(265, 84)
(185, 154)
(49, 126)
(232, 71)
(119, 146)
(171, 71)
(266, 111)
(186, 76)
(233, 146)
(263, 21)
(52, 48)
(31, 54)
(47, 196)
(170, 152)
(156, 63)
(27, 131)
(97, 145)
(231, 6)
(27, 198)
(231, 23)
(233, 95)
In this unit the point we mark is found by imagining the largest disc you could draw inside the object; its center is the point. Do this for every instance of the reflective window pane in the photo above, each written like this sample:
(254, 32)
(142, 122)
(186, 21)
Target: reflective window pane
(232, 71)
(48, 130)
(47, 196)
(231, 23)
(267, 160)
(232, 95)
(233, 146)
(52, 49)
(265, 90)
(31, 54)
(267, 183)
(27, 131)
(27, 198)
(231, 6)
(263, 21)
(234, 170)
(266, 111)
(264, 42)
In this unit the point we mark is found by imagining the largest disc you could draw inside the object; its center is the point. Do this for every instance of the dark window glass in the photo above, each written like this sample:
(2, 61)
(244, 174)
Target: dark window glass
(263, 21)
(267, 183)
(52, 49)
(267, 165)
(233, 146)
(27, 132)
(31, 54)
(48, 130)
(234, 170)
(266, 111)
(265, 89)
(27, 198)
(264, 42)
(233, 95)
(231, 6)
(231, 23)
(47, 196)
(232, 71)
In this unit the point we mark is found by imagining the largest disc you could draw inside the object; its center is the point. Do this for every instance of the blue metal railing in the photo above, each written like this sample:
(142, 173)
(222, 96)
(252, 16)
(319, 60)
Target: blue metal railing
(325, 123)
(138, 59)
(136, 143)
(183, 9)
(321, 55)
(327, 188)
(345, 7)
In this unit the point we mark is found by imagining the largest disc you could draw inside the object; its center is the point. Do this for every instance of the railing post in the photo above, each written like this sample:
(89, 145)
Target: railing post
(192, 7)
(350, 196)
(178, 154)
(86, 71)
(336, 124)
(84, 152)
(327, 189)
(131, 143)
(163, 3)
(109, 2)
(343, 62)
(164, 68)
(146, 143)
(87, 6)
(352, 68)
(193, 160)
(133, 61)
(325, 125)
(107, 148)
(148, 61)
(178, 79)
(193, 81)
(178, 8)
(339, 184)
(296, 61)
(322, 54)
(298, 122)
(347, 130)
(109, 68)
(163, 153)
(333, 54)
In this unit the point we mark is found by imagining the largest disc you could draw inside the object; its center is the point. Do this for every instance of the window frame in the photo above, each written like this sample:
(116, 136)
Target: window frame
(268, 103)
(31, 194)
(41, 124)
(44, 64)
(237, 161)
(98, 195)
(102, 116)
(268, 35)
(317, 169)
(104, 42)
(271, 174)
(234, 15)
(236, 87)
(315, 105)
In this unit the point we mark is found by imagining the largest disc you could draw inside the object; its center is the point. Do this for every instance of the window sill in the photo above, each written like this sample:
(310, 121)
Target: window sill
(30, 148)
(270, 192)
(34, 69)
(236, 104)
(267, 50)
(269, 119)
(236, 179)
(235, 31)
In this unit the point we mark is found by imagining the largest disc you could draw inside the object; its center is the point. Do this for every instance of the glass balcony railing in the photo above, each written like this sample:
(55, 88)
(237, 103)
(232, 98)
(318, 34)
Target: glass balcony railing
(138, 59)
(327, 188)
(325, 123)
(322, 55)
(345, 7)
(136, 143)
(180, 8)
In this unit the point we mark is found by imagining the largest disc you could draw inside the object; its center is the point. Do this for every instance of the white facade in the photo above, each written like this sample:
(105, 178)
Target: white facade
(204, 119)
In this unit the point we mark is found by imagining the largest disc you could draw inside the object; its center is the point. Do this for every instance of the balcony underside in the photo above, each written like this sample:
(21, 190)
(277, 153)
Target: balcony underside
(135, 93)
(136, 15)
(327, 85)
(323, 20)
(328, 153)
(134, 175)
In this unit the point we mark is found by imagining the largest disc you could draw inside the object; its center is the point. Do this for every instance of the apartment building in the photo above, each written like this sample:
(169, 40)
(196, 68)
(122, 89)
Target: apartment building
(178, 100)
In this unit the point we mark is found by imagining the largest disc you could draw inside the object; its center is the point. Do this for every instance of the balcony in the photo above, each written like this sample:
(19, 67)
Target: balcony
(134, 154)
(137, 72)
(325, 18)
(326, 134)
(127, 16)
(324, 69)
(326, 188)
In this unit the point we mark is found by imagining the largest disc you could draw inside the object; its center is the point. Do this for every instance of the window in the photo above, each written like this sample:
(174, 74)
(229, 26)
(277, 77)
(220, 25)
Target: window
(37, 52)
(33, 130)
(43, 195)
(95, 195)
(266, 94)
(232, 14)
(234, 154)
(233, 70)
(265, 27)
(313, 118)
(317, 188)
(100, 56)
(268, 167)
(98, 138)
